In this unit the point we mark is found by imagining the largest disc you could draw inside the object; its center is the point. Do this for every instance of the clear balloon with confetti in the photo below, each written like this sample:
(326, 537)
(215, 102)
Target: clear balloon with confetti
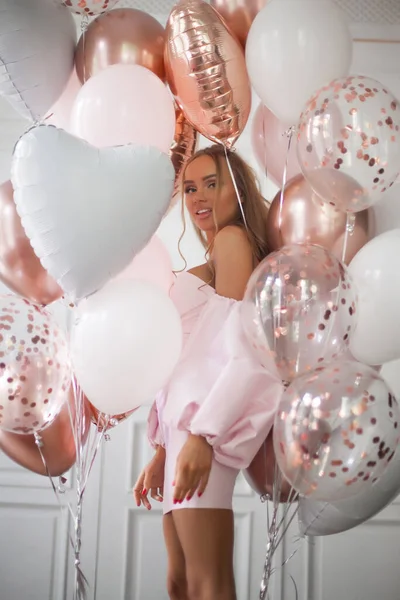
(336, 430)
(35, 372)
(88, 8)
(300, 306)
(348, 142)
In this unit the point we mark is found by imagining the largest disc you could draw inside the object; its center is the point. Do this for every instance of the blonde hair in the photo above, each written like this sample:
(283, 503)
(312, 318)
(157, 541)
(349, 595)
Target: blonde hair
(255, 207)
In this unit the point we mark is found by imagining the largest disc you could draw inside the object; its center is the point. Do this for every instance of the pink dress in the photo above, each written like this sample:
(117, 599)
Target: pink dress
(218, 390)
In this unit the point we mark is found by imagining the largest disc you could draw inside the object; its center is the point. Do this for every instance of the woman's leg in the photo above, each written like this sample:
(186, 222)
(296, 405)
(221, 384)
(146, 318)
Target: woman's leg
(206, 536)
(176, 579)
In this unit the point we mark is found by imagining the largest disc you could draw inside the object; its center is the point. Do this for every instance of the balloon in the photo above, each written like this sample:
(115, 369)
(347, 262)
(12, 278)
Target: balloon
(239, 15)
(183, 147)
(105, 422)
(122, 36)
(88, 226)
(37, 44)
(89, 8)
(293, 48)
(385, 214)
(126, 341)
(124, 104)
(152, 264)
(58, 447)
(261, 473)
(271, 146)
(35, 373)
(299, 307)
(206, 71)
(60, 113)
(306, 218)
(348, 142)
(376, 339)
(336, 430)
(20, 269)
(325, 518)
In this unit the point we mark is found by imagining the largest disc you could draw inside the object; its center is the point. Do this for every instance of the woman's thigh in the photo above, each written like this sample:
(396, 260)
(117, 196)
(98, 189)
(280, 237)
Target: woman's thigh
(206, 536)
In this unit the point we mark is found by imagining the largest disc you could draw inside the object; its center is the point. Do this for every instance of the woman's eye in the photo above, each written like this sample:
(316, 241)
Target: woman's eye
(189, 190)
(211, 184)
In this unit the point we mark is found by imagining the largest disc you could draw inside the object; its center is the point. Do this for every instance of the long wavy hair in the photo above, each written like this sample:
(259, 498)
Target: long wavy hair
(255, 207)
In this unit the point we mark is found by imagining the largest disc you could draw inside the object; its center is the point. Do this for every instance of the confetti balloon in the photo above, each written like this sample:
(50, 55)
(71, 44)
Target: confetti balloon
(35, 372)
(349, 142)
(89, 8)
(336, 430)
(299, 305)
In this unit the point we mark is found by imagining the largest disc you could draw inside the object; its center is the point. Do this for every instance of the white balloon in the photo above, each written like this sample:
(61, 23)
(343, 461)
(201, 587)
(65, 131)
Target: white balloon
(88, 212)
(126, 341)
(376, 339)
(294, 47)
(37, 45)
(325, 518)
(385, 214)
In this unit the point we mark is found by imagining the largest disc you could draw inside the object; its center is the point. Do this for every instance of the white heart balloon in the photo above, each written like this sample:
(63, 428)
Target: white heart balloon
(37, 45)
(88, 211)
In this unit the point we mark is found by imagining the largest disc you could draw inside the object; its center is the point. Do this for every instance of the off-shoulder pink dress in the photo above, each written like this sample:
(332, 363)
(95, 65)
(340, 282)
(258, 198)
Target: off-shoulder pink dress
(218, 390)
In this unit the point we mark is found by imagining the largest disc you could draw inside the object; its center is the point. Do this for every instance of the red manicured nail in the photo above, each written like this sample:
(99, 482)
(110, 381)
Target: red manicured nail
(175, 501)
(144, 492)
(189, 497)
(200, 494)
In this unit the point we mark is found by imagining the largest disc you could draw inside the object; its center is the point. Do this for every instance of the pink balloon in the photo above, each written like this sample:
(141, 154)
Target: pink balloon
(270, 145)
(60, 113)
(153, 264)
(124, 104)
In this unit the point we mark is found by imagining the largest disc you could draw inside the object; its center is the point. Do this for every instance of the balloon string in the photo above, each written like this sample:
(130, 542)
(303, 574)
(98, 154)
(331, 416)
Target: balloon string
(264, 131)
(86, 453)
(319, 513)
(349, 230)
(236, 188)
(84, 26)
(289, 135)
(277, 529)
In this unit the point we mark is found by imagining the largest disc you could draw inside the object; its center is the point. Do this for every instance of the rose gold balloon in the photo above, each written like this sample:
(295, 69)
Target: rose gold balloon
(206, 71)
(260, 474)
(239, 15)
(20, 269)
(306, 218)
(108, 422)
(58, 444)
(124, 36)
(183, 147)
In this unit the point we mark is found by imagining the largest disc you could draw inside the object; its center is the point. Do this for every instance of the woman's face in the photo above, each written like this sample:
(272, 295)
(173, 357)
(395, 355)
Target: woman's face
(207, 200)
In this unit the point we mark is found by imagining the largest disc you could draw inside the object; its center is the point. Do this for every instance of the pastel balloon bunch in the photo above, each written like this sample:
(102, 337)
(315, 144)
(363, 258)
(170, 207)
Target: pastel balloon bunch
(91, 181)
(336, 431)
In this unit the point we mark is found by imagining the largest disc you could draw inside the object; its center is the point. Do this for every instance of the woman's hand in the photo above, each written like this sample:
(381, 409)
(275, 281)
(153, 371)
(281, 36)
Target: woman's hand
(193, 467)
(151, 479)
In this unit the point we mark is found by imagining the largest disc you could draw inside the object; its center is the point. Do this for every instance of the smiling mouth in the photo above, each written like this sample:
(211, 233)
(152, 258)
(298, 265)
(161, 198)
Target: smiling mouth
(203, 211)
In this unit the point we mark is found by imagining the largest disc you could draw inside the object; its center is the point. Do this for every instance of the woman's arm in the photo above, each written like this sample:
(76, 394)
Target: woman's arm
(233, 262)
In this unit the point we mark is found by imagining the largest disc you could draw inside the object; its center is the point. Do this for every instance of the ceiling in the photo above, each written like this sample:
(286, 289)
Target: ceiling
(377, 12)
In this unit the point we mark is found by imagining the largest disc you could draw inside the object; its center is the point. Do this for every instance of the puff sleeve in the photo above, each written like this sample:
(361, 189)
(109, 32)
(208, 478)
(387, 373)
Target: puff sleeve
(220, 390)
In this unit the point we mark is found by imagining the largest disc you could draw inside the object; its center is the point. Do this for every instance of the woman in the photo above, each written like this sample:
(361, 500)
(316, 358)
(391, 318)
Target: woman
(219, 405)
